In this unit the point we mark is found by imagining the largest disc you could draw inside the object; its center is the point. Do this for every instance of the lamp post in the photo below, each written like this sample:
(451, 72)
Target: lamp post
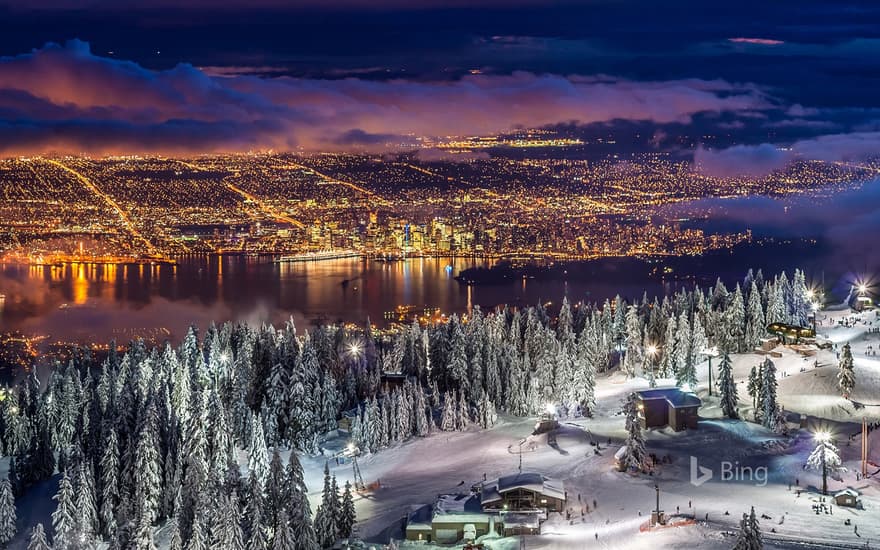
(710, 353)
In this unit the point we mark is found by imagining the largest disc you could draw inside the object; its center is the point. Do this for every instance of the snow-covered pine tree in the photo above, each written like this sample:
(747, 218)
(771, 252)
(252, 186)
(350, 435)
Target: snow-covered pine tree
(419, 408)
(735, 322)
(258, 457)
(298, 504)
(456, 360)
(755, 324)
(776, 308)
(800, 302)
(87, 523)
(825, 453)
(283, 539)
(583, 385)
(754, 386)
(846, 377)
(232, 538)
(687, 367)
(38, 539)
(668, 366)
(148, 475)
(64, 516)
(487, 415)
(727, 388)
(109, 484)
(633, 357)
(447, 417)
(143, 533)
(768, 394)
(198, 538)
(462, 413)
(276, 488)
(7, 512)
(253, 517)
(326, 526)
(699, 341)
(636, 456)
(347, 517)
(749, 536)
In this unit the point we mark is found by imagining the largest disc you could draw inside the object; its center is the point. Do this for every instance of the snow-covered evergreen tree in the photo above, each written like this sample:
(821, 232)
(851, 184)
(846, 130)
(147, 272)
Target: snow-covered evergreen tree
(487, 415)
(347, 516)
(749, 536)
(668, 365)
(64, 516)
(258, 457)
(755, 323)
(109, 485)
(727, 388)
(283, 539)
(38, 539)
(633, 357)
(7, 512)
(769, 405)
(326, 526)
(735, 323)
(87, 522)
(754, 386)
(846, 377)
(448, 416)
(148, 476)
(825, 456)
(636, 456)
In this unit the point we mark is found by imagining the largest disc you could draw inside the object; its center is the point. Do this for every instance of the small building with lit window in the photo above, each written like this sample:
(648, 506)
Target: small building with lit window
(516, 504)
(790, 334)
(673, 407)
(523, 491)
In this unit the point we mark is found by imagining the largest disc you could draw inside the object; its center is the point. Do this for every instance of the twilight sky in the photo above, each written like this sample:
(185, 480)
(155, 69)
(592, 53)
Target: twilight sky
(765, 81)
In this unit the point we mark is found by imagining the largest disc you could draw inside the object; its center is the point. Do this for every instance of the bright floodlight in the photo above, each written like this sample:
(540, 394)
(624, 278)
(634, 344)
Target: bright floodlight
(355, 349)
(651, 350)
(224, 357)
(863, 288)
(550, 408)
(811, 293)
(822, 436)
(351, 447)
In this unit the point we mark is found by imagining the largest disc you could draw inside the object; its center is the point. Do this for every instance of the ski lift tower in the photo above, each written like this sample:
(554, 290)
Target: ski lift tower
(352, 451)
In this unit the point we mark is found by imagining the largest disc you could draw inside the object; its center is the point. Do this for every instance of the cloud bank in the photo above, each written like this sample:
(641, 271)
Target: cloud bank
(63, 98)
(760, 160)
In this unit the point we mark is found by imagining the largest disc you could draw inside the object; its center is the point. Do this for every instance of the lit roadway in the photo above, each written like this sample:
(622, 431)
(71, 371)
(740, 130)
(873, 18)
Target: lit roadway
(328, 179)
(265, 207)
(123, 215)
(268, 209)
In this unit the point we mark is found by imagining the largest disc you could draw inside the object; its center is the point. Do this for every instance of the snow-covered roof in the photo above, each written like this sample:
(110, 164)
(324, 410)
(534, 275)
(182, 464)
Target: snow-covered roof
(847, 491)
(675, 396)
(420, 517)
(531, 481)
(457, 504)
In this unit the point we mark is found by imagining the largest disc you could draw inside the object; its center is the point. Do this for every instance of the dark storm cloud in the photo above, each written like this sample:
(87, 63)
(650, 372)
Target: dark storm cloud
(65, 98)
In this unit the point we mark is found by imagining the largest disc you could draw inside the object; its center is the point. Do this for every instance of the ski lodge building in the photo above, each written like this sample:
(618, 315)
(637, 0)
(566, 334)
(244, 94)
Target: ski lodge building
(516, 504)
(673, 407)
